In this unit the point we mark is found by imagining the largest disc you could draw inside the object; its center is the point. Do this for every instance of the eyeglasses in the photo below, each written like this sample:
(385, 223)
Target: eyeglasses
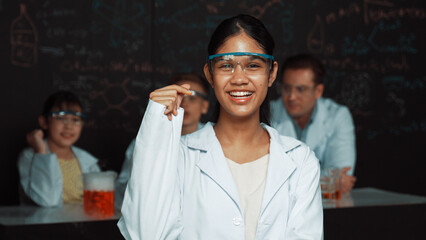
(64, 117)
(299, 91)
(251, 63)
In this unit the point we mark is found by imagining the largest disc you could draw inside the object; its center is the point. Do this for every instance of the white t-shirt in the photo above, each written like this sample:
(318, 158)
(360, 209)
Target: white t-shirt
(250, 179)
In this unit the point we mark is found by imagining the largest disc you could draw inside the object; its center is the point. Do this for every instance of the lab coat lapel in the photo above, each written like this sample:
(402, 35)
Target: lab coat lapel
(280, 168)
(212, 161)
(215, 166)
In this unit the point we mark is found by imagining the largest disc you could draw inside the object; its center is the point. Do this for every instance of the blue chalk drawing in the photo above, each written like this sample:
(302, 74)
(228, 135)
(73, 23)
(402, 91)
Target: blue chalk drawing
(119, 20)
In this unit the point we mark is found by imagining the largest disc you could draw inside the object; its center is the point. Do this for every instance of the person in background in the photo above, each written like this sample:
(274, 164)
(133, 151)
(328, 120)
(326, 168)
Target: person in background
(234, 179)
(195, 107)
(51, 168)
(325, 126)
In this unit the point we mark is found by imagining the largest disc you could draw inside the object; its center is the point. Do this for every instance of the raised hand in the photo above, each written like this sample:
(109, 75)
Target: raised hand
(171, 96)
(35, 140)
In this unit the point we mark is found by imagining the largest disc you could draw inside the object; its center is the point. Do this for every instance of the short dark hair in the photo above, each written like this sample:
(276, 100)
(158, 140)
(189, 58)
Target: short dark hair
(191, 77)
(59, 100)
(305, 61)
(254, 28)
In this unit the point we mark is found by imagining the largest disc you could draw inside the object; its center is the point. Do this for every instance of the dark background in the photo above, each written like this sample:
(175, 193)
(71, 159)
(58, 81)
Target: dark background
(113, 53)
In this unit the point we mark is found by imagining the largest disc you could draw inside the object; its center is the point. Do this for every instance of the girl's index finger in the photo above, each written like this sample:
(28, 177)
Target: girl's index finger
(186, 87)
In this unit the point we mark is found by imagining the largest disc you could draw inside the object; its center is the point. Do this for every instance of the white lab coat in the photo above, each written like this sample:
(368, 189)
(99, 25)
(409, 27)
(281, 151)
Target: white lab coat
(41, 177)
(331, 134)
(123, 177)
(183, 188)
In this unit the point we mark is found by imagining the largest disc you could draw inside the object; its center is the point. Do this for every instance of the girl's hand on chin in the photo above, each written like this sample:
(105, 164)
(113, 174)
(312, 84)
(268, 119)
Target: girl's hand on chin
(170, 96)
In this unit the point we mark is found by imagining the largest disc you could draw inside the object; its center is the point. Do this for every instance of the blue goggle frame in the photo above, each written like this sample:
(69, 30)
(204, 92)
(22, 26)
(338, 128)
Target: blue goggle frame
(202, 95)
(241, 54)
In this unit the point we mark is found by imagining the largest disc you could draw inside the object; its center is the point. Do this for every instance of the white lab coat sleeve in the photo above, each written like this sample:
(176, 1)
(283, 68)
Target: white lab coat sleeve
(341, 151)
(306, 215)
(152, 203)
(123, 177)
(40, 177)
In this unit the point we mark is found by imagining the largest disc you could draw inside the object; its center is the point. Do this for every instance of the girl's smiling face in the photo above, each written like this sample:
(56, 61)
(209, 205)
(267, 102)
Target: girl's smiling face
(63, 134)
(241, 95)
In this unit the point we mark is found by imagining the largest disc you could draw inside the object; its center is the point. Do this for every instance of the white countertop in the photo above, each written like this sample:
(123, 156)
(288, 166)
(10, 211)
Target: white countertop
(27, 215)
(371, 197)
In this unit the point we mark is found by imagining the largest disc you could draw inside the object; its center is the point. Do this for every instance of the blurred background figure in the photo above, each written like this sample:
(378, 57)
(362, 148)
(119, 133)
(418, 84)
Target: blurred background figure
(325, 126)
(195, 107)
(51, 167)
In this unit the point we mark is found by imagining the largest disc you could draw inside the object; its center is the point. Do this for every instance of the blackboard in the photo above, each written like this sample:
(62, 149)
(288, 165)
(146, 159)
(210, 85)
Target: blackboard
(113, 53)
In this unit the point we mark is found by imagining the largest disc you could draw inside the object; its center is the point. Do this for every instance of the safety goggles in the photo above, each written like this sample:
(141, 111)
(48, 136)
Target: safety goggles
(195, 93)
(250, 63)
(75, 118)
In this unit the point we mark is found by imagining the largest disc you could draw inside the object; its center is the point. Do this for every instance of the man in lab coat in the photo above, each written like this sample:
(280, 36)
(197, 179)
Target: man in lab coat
(325, 126)
(195, 107)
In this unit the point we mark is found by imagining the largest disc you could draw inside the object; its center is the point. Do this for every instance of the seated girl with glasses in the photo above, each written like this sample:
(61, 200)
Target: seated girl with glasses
(236, 178)
(51, 168)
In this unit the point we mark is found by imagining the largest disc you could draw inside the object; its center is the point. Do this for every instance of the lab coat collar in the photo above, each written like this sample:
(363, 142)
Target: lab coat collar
(202, 138)
(280, 167)
(213, 162)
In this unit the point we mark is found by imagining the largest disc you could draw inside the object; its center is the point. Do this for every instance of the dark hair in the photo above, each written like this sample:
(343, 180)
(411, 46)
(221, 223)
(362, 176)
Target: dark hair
(60, 100)
(191, 77)
(305, 61)
(254, 28)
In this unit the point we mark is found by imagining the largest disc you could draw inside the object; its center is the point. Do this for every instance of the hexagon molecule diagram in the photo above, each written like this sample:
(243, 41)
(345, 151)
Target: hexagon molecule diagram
(114, 95)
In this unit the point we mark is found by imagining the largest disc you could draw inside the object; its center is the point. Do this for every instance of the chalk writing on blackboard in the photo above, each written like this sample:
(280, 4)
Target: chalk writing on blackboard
(260, 10)
(23, 40)
(117, 103)
(377, 10)
(120, 19)
(352, 9)
(315, 41)
(128, 65)
(382, 66)
(399, 83)
(214, 7)
(362, 45)
(403, 42)
(356, 90)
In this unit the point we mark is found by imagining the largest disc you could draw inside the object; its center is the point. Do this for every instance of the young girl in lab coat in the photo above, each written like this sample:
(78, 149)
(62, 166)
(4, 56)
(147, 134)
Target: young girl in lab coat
(236, 178)
(51, 167)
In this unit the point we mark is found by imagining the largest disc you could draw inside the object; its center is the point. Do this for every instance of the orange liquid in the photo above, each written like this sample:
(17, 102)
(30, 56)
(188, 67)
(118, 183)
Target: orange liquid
(335, 195)
(99, 203)
(326, 195)
(338, 194)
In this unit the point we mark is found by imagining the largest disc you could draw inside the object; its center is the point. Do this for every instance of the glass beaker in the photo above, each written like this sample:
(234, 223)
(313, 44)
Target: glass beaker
(99, 193)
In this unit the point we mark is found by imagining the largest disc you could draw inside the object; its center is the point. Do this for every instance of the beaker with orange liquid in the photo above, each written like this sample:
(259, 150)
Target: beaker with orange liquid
(99, 193)
(331, 184)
